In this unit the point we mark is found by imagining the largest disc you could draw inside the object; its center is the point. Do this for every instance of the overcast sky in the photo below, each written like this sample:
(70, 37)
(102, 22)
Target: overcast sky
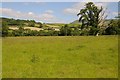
(59, 12)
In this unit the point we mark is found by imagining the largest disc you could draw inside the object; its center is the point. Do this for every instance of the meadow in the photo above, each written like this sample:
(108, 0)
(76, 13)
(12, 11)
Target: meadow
(0, 58)
(60, 57)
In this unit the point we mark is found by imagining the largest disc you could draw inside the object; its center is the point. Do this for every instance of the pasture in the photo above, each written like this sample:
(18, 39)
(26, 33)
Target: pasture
(60, 57)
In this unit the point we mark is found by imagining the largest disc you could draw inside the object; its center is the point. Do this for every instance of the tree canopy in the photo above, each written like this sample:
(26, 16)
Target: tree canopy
(91, 17)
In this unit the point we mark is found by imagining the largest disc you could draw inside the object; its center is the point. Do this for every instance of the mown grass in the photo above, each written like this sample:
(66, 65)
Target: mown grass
(60, 57)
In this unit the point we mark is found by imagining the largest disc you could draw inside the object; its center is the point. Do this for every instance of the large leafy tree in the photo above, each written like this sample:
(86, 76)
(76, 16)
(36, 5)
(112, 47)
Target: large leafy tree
(91, 17)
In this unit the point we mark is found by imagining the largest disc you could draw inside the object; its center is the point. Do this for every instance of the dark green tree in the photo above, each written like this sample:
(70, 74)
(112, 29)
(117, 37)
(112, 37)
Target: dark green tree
(4, 29)
(21, 31)
(31, 23)
(91, 17)
(113, 28)
(65, 30)
(40, 25)
(75, 31)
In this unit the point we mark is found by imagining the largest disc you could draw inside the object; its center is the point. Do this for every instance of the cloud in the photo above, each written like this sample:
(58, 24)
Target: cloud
(87, 1)
(115, 13)
(30, 13)
(46, 16)
(49, 11)
(8, 11)
(71, 11)
(26, 3)
(100, 0)
(74, 9)
(31, 3)
(60, 0)
(6, 0)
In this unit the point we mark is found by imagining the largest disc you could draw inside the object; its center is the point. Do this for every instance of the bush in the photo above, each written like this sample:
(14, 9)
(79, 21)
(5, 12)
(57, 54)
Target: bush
(110, 31)
(31, 24)
(84, 32)
(75, 32)
(5, 29)
(65, 31)
(113, 28)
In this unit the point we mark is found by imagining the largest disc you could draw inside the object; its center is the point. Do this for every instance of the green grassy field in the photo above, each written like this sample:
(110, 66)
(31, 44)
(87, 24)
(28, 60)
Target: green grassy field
(60, 57)
(0, 58)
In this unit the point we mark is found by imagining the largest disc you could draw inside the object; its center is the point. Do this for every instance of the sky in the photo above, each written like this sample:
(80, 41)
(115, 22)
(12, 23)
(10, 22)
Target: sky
(51, 12)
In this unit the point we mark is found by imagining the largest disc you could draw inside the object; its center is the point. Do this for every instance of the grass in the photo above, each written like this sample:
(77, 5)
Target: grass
(60, 57)
(55, 25)
(0, 57)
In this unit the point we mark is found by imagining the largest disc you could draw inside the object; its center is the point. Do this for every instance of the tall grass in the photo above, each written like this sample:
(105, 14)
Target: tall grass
(60, 57)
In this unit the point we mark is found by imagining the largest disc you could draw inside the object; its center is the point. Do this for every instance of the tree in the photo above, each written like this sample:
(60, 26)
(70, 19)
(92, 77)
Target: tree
(91, 17)
(4, 29)
(65, 30)
(19, 22)
(113, 28)
(34, 33)
(40, 25)
(74, 31)
(31, 23)
(21, 31)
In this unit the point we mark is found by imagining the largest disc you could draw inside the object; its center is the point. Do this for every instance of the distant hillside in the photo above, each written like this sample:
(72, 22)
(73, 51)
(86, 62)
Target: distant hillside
(55, 25)
(17, 22)
(75, 22)
(29, 23)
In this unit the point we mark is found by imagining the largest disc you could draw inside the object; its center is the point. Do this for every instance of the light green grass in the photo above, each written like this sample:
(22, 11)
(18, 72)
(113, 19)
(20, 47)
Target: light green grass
(60, 57)
(0, 57)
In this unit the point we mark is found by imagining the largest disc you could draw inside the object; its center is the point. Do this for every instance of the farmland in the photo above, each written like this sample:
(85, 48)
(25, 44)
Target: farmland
(60, 57)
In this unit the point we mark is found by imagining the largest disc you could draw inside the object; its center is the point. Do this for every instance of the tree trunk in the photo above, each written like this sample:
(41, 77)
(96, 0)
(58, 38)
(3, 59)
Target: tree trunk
(97, 34)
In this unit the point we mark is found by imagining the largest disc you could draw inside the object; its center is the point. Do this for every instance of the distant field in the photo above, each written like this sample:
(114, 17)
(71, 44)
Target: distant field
(60, 57)
(50, 25)
(55, 25)
(31, 28)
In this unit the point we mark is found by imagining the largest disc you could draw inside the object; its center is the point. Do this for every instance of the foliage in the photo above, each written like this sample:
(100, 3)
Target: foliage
(40, 25)
(13, 22)
(90, 16)
(4, 29)
(75, 32)
(65, 30)
(113, 28)
(31, 24)
(92, 24)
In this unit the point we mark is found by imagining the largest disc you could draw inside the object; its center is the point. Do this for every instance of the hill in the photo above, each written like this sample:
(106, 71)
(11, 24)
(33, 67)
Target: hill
(75, 22)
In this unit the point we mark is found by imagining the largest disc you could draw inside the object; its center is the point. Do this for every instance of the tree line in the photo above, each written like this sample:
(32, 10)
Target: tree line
(92, 19)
